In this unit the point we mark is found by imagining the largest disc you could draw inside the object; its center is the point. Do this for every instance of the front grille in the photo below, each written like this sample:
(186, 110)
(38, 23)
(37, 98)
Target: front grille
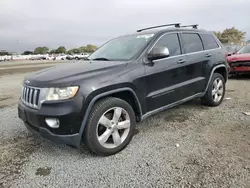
(30, 96)
(241, 63)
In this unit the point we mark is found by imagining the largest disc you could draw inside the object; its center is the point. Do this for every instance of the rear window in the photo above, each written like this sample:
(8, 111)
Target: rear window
(191, 42)
(209, 41)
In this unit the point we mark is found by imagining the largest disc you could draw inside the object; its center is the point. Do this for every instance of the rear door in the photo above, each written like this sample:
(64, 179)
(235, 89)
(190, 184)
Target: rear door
(196, 65)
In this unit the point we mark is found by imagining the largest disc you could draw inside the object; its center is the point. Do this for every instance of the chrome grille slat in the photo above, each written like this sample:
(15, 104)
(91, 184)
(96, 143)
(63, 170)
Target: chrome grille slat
(27, 93)
(23, 93)
(35, 96)
(29, 96)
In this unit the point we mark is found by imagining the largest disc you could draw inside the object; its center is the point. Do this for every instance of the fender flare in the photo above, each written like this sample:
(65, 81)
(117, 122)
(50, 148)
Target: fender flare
(212, 72)
(92, 102)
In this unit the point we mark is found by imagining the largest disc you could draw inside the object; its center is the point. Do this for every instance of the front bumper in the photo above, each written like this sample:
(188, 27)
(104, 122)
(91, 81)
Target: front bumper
(66, 112)
(239, 69)
(72, 140)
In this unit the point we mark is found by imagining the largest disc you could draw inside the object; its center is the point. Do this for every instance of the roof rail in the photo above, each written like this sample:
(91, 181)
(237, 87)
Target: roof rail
(195, 26)
(175, 24)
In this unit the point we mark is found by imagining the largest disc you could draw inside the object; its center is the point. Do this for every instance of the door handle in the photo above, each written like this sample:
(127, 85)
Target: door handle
(181, 61)
(208, 55)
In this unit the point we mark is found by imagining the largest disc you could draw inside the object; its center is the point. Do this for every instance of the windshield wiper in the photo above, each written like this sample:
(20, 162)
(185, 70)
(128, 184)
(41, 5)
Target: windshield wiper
(101, 59)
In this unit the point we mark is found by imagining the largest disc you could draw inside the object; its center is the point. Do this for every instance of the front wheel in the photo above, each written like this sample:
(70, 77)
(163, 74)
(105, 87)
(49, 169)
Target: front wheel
(110, 126)
(215, 92)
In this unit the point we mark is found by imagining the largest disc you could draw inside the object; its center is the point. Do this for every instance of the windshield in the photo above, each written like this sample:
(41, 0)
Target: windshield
(122, 48)
(244, 50)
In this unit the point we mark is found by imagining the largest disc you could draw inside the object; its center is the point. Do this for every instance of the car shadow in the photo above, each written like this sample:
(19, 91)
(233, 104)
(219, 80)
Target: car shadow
(172, 119)
(240, 77)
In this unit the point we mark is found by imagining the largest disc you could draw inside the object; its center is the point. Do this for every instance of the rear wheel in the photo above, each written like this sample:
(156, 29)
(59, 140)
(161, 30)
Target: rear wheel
(110, 127)
(215, 92)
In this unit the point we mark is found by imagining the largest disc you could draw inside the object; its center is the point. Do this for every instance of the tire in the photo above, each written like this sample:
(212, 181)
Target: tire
(209, 98)
(94, 131)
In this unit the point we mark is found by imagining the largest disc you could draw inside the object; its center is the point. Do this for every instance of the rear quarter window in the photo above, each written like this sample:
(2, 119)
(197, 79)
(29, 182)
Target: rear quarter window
(209, 41)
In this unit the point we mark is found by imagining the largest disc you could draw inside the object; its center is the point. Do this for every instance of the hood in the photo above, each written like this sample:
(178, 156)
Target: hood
(238, 57)
(65, 74)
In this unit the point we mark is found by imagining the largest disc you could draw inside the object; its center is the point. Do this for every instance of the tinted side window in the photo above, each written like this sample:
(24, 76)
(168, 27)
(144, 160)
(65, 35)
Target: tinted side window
(191, 42)
(171, 41)
(208, 41)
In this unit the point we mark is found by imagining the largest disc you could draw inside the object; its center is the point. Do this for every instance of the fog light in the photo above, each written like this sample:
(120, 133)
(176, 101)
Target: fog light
(52, 122)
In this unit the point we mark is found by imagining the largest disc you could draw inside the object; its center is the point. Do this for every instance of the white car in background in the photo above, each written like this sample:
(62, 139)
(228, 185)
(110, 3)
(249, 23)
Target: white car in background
(50, 58)
(77, 56)
(5, 58)
(81, 56)
(61, 57)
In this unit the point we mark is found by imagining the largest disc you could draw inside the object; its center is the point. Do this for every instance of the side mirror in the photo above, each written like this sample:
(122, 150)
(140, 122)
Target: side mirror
(158, 53)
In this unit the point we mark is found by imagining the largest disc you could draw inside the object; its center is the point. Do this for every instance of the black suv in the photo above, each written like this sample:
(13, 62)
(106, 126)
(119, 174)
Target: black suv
(129, 78)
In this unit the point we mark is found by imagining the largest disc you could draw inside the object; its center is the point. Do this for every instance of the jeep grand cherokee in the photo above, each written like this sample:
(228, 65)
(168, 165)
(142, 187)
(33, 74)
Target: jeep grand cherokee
(128, 79)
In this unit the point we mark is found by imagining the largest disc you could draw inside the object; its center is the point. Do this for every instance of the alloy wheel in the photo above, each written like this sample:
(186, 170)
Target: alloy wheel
(217, 91)
(113, 127)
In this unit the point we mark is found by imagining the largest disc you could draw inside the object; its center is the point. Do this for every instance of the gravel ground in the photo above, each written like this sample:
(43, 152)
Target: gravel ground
(187, 146)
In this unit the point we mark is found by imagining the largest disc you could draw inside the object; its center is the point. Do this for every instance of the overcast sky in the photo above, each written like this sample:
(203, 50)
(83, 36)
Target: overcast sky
(26, 24)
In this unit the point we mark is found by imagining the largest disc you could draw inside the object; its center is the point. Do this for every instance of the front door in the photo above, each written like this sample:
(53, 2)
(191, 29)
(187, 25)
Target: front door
(166, 77)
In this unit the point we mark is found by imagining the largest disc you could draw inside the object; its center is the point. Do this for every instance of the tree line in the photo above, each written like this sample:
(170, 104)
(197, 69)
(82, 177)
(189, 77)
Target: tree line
(62, 50)
(230, 35)
(4, 53)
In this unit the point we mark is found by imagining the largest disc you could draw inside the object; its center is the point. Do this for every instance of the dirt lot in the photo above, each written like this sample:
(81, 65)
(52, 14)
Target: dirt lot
(12, 74)
(18, 67)
(187, 146)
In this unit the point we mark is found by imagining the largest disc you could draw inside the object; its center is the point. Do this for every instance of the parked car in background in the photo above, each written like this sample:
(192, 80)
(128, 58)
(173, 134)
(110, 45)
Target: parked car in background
(239, 62)
(34, 58)
(5, 58)
(50, 57)
(61, 57)
(81, 56)
(232, 48)
(70, 57)
(38, 57)
(126, 80)
(77, 56)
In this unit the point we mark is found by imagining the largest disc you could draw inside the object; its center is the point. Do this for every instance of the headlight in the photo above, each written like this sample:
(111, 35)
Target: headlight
(61, 93)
